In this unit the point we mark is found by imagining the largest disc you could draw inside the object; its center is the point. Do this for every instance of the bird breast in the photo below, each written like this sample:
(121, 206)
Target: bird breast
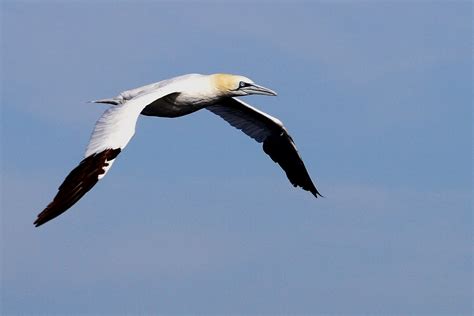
(195, 92)
(177, 104)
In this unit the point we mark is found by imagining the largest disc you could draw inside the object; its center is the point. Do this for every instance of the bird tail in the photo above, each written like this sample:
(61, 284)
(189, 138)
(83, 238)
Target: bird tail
(112, 101)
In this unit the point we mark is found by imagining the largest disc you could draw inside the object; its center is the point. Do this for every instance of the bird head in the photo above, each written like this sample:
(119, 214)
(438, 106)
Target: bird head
(235, 85)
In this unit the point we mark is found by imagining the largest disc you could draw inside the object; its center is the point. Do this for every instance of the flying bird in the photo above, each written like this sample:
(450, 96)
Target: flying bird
(176, 97)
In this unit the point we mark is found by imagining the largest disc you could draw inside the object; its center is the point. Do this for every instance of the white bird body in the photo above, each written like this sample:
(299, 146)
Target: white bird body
(194, 92)
(173, 98)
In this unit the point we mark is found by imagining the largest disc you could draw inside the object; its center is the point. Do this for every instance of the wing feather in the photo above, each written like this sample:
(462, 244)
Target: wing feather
(266, 129)
(77, 183)
(111, 134)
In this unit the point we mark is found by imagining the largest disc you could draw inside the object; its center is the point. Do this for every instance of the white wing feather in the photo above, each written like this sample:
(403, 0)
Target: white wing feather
(253, 122)
(111, 134)
(266, 129)
(116, 126)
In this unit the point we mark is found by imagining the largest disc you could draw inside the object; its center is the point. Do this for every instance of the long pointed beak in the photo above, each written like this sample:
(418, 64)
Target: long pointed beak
(256, 89)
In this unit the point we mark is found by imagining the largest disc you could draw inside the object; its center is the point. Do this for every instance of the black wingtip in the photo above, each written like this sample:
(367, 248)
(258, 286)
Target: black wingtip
(79, 181)
(317, 194)
(38, 223)
(44, 217)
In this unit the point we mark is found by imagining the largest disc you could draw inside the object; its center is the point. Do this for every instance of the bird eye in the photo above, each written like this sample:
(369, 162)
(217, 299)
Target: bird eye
(243, 84)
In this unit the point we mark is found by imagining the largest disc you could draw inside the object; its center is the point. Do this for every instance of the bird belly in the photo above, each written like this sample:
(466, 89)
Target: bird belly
(173, 105)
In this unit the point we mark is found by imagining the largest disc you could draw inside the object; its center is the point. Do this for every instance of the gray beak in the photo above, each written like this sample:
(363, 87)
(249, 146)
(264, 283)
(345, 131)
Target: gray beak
(256, 89)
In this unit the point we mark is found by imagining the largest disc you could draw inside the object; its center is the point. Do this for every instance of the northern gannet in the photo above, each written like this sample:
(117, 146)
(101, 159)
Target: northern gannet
(176, 97)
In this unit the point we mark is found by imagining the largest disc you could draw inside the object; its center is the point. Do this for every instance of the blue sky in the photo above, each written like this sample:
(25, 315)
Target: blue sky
(194, 217)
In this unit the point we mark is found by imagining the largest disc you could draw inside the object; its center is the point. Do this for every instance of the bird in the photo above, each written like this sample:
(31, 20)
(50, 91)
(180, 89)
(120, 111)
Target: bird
(175, 97)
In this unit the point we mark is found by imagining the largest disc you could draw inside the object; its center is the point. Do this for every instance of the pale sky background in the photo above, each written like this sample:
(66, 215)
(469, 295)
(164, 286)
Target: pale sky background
(194, 217)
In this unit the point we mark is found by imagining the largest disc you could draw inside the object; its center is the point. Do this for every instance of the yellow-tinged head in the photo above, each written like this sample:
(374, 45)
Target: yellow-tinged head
(235, 85)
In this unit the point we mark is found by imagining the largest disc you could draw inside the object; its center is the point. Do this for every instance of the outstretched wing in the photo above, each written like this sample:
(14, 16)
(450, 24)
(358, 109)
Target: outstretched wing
(266, 129)
(111, 134)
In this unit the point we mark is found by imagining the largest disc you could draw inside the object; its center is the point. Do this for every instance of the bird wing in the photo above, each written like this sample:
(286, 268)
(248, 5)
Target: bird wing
(266, 129)
(111, 134)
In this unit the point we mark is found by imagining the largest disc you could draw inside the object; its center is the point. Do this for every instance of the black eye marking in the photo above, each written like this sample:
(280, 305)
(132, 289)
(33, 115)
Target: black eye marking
(243, 84)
